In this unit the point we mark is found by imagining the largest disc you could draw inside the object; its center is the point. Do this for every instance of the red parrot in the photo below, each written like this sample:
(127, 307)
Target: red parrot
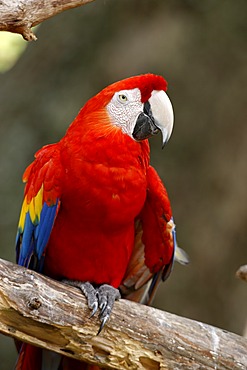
(95, 213)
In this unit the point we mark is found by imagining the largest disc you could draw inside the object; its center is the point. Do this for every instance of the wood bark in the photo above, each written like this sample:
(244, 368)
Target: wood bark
(19, 16)
(49, 314)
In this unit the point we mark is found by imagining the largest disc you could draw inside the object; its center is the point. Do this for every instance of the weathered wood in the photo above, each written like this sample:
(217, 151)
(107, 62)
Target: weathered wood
(49, 314)
(19, 16)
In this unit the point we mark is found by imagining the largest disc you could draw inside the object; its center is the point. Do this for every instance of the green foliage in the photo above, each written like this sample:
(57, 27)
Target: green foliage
(11, 48)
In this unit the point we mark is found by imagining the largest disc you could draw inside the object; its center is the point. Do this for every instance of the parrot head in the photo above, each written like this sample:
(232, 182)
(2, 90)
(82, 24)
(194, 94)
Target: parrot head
(138, 105)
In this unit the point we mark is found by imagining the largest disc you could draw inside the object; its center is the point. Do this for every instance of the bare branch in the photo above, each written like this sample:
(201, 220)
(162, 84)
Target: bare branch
(44, 312)
(19, 16)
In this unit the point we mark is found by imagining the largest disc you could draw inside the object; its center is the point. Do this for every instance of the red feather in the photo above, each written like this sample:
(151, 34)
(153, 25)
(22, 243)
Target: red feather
(30, 358)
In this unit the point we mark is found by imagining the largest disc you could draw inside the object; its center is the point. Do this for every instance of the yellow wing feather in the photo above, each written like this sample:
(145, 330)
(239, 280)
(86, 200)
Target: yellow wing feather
(34, 208)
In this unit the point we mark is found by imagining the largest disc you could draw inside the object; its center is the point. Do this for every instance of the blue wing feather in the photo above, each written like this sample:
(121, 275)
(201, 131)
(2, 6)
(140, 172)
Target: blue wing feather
(26, 240)
(32, 240)
(43, 230)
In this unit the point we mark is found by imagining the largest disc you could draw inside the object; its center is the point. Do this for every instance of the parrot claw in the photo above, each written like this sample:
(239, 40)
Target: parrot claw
(102, 297)
(89, 292)
(102, 325)
(94, 309)
(107, 295)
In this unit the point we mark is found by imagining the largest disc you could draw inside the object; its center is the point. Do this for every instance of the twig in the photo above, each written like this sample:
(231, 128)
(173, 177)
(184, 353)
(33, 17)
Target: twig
(19, 16)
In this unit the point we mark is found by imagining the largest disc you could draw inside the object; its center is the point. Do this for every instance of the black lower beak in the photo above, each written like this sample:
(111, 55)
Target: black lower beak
(144, 127)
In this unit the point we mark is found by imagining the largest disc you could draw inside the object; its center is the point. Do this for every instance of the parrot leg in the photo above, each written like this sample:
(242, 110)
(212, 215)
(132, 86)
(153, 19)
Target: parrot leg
(102, 297)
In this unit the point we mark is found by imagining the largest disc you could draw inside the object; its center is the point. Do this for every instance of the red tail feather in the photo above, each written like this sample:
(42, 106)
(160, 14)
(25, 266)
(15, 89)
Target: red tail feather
(29, 358)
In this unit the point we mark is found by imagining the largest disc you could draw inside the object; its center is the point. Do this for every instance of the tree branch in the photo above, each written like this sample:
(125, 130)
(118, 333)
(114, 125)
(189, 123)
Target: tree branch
(44, 312)
(19, 16)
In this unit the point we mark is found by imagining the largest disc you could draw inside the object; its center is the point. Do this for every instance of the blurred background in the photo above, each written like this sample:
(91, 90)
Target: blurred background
(200, 48)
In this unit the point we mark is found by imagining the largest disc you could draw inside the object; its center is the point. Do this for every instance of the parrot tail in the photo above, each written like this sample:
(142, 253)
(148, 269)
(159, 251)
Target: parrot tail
(29, 358)
(35, 358)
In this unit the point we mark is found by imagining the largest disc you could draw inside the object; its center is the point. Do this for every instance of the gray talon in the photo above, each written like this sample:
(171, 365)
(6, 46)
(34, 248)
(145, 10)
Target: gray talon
(89, 292)
(102, 297)
(103, 306)
(102, 324)
(107, 295)
(94, 309)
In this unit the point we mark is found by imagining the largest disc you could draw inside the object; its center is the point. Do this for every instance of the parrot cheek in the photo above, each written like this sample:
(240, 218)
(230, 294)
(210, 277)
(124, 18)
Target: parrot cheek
(144, 127)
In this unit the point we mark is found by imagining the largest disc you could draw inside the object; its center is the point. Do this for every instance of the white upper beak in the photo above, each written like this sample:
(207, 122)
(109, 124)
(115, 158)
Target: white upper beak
(162, 111)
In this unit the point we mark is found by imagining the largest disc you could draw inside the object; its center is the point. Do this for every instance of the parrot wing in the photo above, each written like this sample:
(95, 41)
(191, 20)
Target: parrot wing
(40, 207)
(155, 244)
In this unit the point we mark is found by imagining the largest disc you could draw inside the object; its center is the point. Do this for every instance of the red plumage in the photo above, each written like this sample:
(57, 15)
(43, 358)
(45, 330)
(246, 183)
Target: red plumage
(113, 212)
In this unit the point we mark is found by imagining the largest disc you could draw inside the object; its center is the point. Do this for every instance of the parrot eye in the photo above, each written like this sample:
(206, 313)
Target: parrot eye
(122, 98)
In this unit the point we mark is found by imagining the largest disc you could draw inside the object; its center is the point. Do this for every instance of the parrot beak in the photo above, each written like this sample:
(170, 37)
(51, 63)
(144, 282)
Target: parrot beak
(157, 116)
(162, 111)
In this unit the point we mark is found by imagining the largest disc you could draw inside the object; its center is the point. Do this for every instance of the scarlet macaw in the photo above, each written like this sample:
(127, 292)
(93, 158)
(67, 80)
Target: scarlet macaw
(95, 213)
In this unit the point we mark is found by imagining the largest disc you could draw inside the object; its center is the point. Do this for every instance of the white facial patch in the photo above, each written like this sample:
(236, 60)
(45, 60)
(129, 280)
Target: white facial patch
(124, 108)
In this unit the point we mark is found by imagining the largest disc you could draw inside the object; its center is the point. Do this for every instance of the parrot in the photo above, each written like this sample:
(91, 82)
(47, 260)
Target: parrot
(95, 213)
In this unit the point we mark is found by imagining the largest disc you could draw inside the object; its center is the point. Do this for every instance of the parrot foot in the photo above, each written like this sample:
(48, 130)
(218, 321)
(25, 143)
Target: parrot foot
(107, 295)
(102, 297)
